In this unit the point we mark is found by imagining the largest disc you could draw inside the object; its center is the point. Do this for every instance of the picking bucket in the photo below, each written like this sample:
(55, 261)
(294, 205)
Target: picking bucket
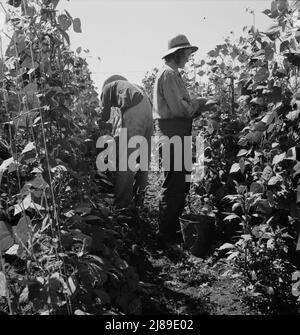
(197, 233)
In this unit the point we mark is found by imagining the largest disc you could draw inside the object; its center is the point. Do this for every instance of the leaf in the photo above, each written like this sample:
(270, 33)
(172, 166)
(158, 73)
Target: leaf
(84, 208)
(298, 243)
(285, 45)
(6, 163)
(36, 206)
(69, 15)
(297, 96)
(93, 218)
(14, 250)
(29, 63)
(241, 189)
(269, 117)
(242, 58)
(270, 198)
(37, 170)
(234, 168)
(242, 141)
(261, 75)
(298, 194)
(38, 294)
(256, 187)
(296, 169)
(282, 5)
(23, 205)
(96, 259)
(13, 167)
(3, 284)
(291, 154)
(59, 169)
(120, 263)
(242, 152)
(263, 206)
(65, 35)
(227, 246)
(271, 127)
(29, 147)
(246, 237)
(78, 50)
(38, 182)
(296, 275)
(258, 101)
(77, 25)
(64, 22)
(46, 223)
(242, 165)
(253, 275)
(55, 285)
(29, 10)
(296, 289)
(267, 173)
(71, 285)
(231, 217)
(213, 53)
(293, 115)
(80, 312)
(274, 180)
(233, 197)
(272, 30)
(269, 53)
(256, 136)
(233, 255)
(278, 158)
(6, 237)
(22, 231)
(54, 3)
(267, 12)
(236, 206)
(30, 88)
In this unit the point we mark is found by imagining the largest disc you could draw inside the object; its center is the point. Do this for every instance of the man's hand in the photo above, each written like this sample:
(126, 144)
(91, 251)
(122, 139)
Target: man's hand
(203, 105)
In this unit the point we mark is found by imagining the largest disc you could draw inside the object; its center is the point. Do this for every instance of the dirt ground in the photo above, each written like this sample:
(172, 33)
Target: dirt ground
(181, 285)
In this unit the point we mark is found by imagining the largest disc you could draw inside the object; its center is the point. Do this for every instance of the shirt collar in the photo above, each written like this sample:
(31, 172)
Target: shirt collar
(173, 68)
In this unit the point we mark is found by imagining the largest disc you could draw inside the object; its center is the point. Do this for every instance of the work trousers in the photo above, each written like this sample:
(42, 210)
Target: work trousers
(176, 183)
(131, 183)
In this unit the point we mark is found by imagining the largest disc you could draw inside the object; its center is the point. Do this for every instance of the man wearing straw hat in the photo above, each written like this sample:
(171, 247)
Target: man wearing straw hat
(134, 119)
(173, 112)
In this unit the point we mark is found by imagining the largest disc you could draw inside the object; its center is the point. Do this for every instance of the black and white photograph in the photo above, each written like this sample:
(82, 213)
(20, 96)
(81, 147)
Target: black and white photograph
(149, 161)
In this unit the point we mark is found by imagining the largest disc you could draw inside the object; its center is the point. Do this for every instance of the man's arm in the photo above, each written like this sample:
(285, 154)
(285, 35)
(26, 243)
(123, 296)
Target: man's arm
(105, 103)
(202, 105)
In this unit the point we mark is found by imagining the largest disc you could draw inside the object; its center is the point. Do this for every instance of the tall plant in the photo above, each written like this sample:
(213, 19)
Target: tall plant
(55, 216)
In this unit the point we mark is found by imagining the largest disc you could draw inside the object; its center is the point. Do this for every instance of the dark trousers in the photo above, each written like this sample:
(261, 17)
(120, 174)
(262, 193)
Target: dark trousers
(175, 186)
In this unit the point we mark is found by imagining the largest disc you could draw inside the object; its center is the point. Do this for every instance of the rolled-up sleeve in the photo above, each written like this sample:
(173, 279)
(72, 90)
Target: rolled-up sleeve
(174, 93)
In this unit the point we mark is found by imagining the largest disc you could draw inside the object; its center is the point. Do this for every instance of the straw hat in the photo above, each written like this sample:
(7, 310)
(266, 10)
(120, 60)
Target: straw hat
(179, 42)
(113, 78)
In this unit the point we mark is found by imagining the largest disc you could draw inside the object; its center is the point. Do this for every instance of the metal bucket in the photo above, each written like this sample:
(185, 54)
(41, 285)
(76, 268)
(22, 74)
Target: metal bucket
(197, 231)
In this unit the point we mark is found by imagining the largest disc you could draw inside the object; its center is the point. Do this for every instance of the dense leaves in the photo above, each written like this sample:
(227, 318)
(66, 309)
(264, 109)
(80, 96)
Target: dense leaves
(55, 209)
(251, 179)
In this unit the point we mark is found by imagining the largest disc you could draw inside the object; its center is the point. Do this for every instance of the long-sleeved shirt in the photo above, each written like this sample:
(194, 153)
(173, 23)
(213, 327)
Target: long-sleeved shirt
(168, 95)
(121, 94)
